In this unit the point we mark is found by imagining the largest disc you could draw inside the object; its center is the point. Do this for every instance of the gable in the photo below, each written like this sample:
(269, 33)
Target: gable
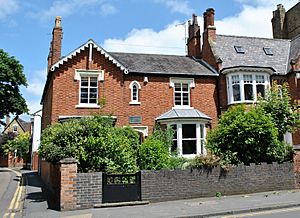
(90, 44)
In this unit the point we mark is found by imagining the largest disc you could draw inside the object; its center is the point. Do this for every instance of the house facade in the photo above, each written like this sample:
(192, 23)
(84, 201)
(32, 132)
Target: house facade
(187, 92)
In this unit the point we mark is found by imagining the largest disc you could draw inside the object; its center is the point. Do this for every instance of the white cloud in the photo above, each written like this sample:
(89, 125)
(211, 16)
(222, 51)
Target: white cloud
(36, 83)
(107, 9)
(180, 6)
(167, 41)
(8, 7)
(252, 20)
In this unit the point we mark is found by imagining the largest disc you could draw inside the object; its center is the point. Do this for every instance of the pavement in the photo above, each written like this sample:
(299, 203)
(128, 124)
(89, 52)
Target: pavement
(38, 203)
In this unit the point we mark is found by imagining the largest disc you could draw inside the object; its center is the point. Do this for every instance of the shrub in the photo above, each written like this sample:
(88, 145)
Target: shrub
(284, 113)
(247, 136)
(94, 142)
(153, 155)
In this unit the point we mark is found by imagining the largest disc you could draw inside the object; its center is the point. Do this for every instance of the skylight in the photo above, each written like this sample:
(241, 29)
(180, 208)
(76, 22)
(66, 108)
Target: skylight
(239, 49)
(268, 51)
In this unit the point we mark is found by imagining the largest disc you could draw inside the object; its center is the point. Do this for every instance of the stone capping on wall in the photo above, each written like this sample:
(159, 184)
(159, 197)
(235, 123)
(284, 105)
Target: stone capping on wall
(84, 190)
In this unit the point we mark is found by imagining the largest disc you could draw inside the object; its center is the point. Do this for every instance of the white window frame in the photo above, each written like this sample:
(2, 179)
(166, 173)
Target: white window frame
(88, 73)
(242, 83)
(191, 84)
(200, 142)
(136, 101)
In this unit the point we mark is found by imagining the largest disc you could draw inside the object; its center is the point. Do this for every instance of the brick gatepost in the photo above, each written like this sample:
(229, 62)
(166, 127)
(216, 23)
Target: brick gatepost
(68, 174)
(297, 167)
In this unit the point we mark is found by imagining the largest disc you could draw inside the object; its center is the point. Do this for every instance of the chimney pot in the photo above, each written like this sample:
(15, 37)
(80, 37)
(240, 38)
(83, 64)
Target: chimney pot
(210, 17)
(57, 22)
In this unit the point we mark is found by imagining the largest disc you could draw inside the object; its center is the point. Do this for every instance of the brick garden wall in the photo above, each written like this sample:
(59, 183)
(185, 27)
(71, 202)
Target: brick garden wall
(88, 189)
(166, 185)
(84, 190)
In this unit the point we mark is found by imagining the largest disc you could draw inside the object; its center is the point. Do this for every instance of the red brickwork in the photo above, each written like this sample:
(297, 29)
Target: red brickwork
(35, 161)
(10, 161)
(68, 172)
(156, 96)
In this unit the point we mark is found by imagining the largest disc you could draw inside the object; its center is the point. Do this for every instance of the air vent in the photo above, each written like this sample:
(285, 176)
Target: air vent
(239, 49)
(268, 51)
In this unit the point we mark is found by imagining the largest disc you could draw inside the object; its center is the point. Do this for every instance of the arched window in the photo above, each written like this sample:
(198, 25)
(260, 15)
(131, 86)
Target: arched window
(135, 87)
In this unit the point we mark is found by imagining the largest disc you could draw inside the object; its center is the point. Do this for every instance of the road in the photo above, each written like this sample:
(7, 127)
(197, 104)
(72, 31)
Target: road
(293, 212)
(9, 192)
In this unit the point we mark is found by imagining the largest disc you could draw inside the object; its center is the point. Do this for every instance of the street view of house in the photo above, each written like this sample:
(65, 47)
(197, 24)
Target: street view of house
(180, 108)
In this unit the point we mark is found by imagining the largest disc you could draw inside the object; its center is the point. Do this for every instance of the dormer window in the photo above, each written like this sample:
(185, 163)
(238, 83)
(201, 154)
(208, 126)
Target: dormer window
(135, 87)
(182, 91)
(268, 51)
(239, 49)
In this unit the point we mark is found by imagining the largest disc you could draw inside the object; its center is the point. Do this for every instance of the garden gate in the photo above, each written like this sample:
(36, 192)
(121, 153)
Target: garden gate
(121, 187)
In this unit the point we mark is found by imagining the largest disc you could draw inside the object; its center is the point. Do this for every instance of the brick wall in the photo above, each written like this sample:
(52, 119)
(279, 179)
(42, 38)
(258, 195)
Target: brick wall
(84, 190)
(89, 189)
(180, 184)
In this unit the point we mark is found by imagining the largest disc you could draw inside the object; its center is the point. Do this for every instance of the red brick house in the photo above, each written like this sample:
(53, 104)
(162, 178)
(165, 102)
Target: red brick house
(187, 92)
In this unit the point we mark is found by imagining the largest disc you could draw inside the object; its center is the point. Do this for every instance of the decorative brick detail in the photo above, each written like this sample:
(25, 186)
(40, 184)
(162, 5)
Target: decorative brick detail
(68, 192)
(166, 185)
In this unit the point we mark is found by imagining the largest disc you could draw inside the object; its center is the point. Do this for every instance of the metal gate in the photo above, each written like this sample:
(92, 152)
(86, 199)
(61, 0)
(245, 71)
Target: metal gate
(121, 187)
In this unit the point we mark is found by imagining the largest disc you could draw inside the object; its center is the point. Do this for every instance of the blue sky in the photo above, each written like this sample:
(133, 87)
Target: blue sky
(145, 26)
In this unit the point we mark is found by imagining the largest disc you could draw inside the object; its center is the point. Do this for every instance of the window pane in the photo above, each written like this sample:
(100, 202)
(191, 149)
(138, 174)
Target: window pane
(83, 100)
(247, 78)
(93, 101)
(248, 91)
(188, 131)
(236, 92)
(177, 98)
(93, 81)
(260, 79)
(189, 147)
(174, 127)
(201, 131)
(185, 87)
(178, 87)
(235, 79)
(185, 98)
(174, 146)
(260, 90)
(84, 81)
(134, 93)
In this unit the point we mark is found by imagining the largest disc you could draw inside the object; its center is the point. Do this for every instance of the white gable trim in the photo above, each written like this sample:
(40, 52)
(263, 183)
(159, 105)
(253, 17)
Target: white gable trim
(84, 46)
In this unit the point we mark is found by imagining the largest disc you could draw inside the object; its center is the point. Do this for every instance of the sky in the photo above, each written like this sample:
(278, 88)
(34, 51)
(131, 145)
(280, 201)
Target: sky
(140, 26)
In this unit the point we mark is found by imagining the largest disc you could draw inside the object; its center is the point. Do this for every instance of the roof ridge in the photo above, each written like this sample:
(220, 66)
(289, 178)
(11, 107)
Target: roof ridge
(147, 54)
(255, 37)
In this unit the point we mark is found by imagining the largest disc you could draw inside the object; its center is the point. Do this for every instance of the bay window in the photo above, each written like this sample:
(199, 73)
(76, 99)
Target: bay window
(246, 87)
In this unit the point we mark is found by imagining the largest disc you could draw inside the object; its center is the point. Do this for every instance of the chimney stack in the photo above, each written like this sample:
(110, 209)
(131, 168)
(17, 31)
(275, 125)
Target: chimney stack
(55, 46)
(278, 21)
(194, 40)
(209, 36)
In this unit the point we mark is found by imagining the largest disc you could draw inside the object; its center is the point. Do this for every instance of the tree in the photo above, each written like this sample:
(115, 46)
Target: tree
(11, 78)
(284, 113)
(20, 144)
(246, 135)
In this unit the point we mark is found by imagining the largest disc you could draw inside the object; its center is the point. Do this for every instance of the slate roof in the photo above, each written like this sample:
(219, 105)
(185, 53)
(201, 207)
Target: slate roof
(254, 54)
(183, 114)
(163, 64)
(295, 48)
(26, 126)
